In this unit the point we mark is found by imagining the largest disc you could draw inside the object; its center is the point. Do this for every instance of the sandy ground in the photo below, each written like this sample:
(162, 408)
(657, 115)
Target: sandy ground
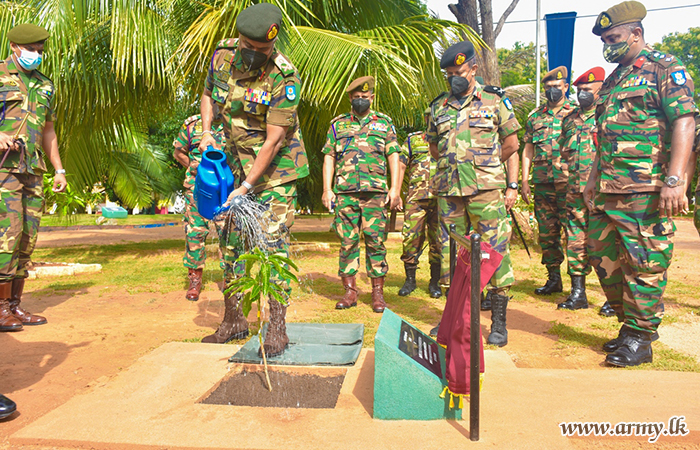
(95, 333)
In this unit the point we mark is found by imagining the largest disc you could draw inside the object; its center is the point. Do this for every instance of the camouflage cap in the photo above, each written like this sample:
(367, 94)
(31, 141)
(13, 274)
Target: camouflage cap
(560, 73)
(457, 54)
(625, 12)
(362, 84)
(27, 33)
(596, 74)
(260, 22)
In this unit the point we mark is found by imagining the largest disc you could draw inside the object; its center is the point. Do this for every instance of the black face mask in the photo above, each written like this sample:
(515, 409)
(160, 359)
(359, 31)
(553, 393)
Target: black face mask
(553, 95)
(253, 60)
(360, 105)
(458, 85)
(585, 99)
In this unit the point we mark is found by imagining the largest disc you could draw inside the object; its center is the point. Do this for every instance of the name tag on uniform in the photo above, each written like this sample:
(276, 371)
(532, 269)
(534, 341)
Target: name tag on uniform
(378, 127)
(257, 96)
(442, 119)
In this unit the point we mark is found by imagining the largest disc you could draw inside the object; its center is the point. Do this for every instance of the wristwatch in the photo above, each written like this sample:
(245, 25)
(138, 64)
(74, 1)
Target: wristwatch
(248, 186)
(61, 171)
(673, 181)
(513, 185)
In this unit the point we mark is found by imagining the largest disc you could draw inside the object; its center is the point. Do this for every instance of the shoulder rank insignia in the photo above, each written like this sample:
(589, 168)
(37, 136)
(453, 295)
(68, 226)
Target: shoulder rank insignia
(509, 105)
(257, 96)
(679, 77)
(291, 93)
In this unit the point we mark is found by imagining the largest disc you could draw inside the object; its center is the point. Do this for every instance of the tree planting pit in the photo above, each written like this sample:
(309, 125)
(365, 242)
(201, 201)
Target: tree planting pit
(292, 387)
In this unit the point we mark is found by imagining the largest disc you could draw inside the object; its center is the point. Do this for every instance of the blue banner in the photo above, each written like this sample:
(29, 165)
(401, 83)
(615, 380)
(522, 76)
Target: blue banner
(560, 40)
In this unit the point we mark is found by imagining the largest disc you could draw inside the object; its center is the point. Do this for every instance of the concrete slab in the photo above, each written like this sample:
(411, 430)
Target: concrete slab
(153, 404)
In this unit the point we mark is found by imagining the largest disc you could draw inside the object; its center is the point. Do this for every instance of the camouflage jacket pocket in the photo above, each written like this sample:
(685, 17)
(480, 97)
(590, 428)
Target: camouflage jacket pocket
(220, 91)
(632, 105)
(443, 123)
(489, 172)
(10, 94)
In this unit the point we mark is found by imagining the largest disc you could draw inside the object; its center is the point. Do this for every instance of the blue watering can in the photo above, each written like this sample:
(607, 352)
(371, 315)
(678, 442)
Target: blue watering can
(213, 184)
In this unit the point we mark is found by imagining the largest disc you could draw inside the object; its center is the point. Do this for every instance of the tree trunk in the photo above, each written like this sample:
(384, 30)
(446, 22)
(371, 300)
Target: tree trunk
(468, 12)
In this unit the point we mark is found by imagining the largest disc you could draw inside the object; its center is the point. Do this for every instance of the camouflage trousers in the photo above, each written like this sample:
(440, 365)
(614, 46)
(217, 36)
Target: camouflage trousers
(365, 211)
(550, 212)
(282, 202)
(630, 246)
(486, 213)
(577, 235)
(21, 206)
(196, 232)
(421, 218)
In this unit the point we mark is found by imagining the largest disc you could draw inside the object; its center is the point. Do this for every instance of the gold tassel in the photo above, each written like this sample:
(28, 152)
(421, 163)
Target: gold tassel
(443, 392)
(452, 401)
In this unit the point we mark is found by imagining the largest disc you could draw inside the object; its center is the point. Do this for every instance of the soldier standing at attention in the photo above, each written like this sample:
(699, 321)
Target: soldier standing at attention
(471, 132)
(26, 135)
(421, 215)
(645, 119)
(258, 91)
(578, 146)
(549, 174)
(188, 154)
(359, 145)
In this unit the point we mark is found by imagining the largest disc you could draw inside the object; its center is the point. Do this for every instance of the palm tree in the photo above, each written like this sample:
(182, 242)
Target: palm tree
(108, 62)
(117, 64)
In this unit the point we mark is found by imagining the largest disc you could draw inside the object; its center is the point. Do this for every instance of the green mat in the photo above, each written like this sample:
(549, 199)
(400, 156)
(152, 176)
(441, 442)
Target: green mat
(311, 344)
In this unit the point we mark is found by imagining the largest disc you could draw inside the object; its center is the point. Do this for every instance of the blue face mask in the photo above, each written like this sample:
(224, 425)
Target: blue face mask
(29, 60)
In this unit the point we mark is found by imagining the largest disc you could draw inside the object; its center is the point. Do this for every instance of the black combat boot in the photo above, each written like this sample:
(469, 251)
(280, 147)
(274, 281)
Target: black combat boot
(434, 330)
(434, 285)
(634, 349)
(486, 300)
(499, 334)
(614, 344)
(577, 299)
(410, 284)
(606, 310)
(553, 283)
(7, 407)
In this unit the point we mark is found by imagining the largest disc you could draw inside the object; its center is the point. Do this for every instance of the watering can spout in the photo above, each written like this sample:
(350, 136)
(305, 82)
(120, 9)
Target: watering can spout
(213, 184)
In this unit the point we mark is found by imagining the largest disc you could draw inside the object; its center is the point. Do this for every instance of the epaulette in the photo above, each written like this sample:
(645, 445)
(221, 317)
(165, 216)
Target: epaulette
(495, 90)
(662, 59)
(191, 119)
(384, 116)
(227, 43)
(337, 118)
(438, 98)
(284, 65)
(538, 109)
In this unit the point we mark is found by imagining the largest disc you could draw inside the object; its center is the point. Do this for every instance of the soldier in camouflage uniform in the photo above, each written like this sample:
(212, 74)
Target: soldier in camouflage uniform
(421, 216)
(196, 227)
(472, 130)
(577, 144)
(358, 148)
(26, 135)
(645, 119)
(691, 170)
(549, 174)
(258, 91)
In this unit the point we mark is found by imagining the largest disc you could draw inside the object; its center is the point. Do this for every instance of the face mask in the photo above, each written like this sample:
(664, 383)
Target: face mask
(458, 85)
(253, 60)
(29, 60)
(615, 52)
(585, 99)
(360, 105)
(553, 95)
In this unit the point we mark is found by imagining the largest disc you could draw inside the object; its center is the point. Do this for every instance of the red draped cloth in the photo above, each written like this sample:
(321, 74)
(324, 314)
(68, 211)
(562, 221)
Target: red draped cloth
(455, 326)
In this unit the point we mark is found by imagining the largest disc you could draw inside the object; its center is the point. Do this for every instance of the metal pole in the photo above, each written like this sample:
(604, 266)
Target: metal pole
(537, 58)
(453, 251)
(475, 338)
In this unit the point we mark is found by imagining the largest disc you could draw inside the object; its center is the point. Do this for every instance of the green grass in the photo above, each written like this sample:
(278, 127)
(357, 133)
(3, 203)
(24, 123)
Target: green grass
(156, 267)
(90, 219)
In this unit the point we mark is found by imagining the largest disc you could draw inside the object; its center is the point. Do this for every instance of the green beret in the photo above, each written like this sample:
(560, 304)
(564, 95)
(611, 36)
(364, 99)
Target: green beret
(27, 33)
(457, 54)
(625, 12)
(362, 84)
(560, 73)
(260, 22)
(480, 80)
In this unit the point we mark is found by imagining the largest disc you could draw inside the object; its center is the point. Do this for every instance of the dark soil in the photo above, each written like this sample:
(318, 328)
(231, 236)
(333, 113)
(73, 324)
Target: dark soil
(288, 390)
